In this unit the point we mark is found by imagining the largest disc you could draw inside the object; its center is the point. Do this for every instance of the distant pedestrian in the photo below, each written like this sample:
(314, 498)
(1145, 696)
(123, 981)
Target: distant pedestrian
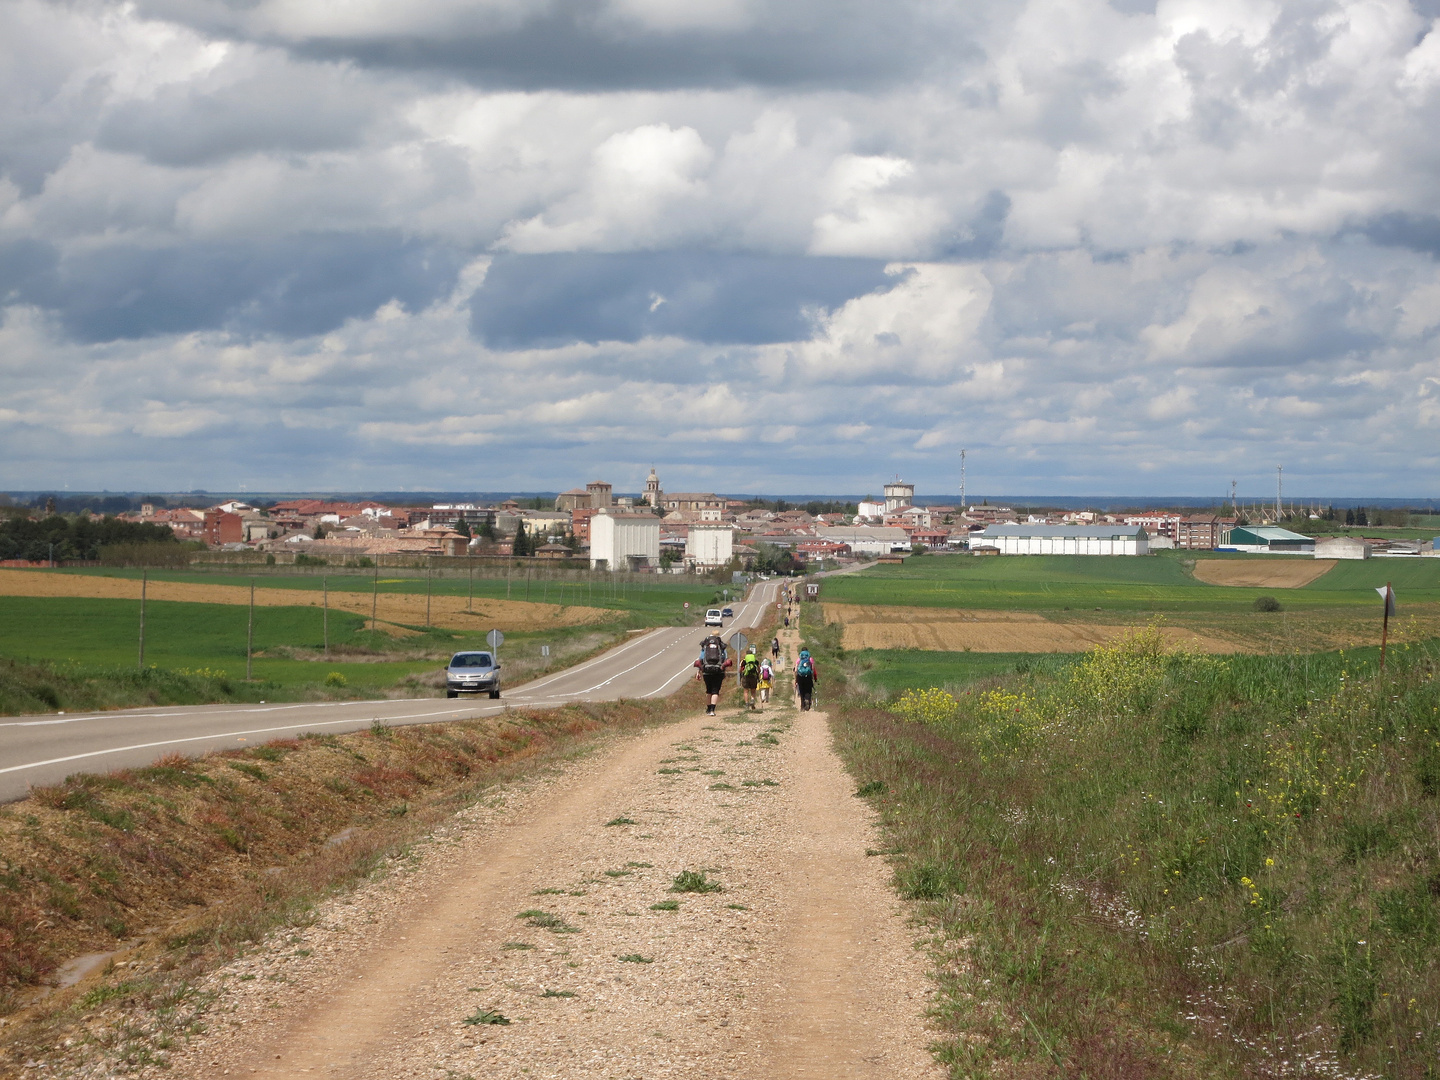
(775, 649)
(787, 622)
(805, 678)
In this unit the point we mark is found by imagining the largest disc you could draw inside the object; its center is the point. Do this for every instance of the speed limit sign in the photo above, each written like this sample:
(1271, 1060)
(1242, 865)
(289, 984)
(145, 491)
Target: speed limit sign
(687, 605)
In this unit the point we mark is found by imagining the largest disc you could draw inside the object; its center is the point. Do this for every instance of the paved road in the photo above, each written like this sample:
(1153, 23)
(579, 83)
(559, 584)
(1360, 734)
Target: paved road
(46, 749)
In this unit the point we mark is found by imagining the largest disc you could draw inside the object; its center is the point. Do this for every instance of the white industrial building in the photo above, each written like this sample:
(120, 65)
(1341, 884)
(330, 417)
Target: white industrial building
(1063, 539)
(868, 541)
(624, 541)
(708, 546)
(1342, 547)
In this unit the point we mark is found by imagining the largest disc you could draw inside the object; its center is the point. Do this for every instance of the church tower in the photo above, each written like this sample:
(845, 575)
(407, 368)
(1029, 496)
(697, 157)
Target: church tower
(652, 488)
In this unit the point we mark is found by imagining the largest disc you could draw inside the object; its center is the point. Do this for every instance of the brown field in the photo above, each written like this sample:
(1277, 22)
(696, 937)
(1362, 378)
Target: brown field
(952, 630)
(394, 608)
(1262, 572)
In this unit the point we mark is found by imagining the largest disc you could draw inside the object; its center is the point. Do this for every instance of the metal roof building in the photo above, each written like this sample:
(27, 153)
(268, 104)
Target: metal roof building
(1064, 539)
(1268, 539)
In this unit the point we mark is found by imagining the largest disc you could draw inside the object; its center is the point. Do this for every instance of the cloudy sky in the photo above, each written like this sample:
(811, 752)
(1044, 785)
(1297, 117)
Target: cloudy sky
(1126, 247)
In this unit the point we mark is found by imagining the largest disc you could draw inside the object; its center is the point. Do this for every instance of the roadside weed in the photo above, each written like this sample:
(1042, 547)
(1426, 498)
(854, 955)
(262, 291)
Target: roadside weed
(666, 905)
(487, 1016)
(694, 881)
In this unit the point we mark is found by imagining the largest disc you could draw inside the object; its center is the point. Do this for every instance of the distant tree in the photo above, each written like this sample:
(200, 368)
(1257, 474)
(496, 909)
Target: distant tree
(1349, 515)
(319, 531)
(486, 530)
(463, 528)
(523, 544)
(1360, 518)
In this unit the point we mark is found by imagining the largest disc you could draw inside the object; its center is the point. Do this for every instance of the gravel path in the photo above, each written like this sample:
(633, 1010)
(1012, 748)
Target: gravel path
(802, 965)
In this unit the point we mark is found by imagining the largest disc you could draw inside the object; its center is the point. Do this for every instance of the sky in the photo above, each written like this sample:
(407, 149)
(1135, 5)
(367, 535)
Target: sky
(1111, 247)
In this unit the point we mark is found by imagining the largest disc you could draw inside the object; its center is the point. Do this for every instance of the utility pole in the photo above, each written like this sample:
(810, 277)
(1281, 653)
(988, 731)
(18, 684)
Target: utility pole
(1279, 475)
(375, 594)
(1234, 507)
(428, 561)
(962, 481)
(250, 632)
(325, 618)
(144, 577)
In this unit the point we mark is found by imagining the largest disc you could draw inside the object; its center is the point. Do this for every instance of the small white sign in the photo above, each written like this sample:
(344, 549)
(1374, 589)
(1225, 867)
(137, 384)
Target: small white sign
(544, 650)
(495, 639)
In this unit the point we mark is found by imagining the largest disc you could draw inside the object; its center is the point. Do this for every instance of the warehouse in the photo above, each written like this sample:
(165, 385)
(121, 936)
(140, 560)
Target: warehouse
(1268, 540)
(708, 546)
(868, 542)
(1063, 539)
(621, 541)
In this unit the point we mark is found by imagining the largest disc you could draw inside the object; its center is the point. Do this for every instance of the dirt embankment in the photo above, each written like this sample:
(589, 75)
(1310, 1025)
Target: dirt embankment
(1262, 572)
(449, 612)
(961, 630)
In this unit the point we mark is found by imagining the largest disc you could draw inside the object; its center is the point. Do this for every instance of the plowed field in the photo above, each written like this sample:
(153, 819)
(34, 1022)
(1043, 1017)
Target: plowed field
(950, 630)
(1263, 572)
(393, 608)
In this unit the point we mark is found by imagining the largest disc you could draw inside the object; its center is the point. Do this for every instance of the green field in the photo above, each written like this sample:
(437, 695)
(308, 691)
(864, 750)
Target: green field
(652, 600)
(1160, 583)
(893, 671)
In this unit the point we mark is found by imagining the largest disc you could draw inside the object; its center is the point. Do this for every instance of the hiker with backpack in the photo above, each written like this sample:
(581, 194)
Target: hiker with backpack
(775, 649)
(805, 678)
(767, 676)
(750, 675)
(711, 667)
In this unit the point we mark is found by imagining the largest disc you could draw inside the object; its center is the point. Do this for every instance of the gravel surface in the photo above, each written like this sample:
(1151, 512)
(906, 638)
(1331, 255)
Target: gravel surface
(801, 965)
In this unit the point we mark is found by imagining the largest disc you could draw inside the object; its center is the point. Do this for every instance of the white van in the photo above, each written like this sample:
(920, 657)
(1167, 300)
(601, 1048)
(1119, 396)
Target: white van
(714, 618)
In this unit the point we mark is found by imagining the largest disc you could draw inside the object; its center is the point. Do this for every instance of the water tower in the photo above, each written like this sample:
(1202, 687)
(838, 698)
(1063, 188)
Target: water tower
(898, 494)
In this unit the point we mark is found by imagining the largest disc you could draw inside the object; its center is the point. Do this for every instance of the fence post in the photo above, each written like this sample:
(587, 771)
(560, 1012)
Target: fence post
(144, 579)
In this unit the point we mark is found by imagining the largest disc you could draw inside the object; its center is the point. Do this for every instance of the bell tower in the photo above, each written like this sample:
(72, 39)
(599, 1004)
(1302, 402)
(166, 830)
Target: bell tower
(652, 488)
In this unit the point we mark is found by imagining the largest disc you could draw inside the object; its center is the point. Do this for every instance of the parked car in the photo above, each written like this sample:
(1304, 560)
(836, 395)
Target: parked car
(714, 617)
(729, 613)
(472, 673)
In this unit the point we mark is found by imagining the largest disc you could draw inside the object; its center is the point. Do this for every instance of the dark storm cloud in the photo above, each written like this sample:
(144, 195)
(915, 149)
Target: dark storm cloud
(303, 285)
(530, 301)
(567, 45)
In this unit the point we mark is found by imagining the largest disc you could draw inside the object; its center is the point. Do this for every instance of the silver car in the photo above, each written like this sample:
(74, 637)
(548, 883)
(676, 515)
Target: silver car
(472, 673)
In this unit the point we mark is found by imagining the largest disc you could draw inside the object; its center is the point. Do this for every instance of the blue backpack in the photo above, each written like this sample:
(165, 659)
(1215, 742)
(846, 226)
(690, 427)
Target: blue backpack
(804, 667)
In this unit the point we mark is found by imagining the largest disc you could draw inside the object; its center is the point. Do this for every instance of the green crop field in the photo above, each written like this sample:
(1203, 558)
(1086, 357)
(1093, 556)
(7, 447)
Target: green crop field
(189, 637)
(893, 671)
(1159, 583)
(654, 600)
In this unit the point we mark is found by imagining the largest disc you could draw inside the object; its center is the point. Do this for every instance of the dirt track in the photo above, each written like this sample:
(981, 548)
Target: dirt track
(959, 630)
(406, 608)
(802, 967)
(1262, 572)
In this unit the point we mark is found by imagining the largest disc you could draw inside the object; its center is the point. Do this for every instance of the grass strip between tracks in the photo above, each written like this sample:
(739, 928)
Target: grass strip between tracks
(184, 864)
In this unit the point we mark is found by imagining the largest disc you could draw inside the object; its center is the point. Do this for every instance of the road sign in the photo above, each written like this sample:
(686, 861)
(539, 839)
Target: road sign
(738, 641)
(544, 650)
(495, 639)
(687, 605)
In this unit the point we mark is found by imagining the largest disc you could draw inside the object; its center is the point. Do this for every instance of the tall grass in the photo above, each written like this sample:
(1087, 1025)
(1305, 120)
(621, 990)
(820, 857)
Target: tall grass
(1159, 862)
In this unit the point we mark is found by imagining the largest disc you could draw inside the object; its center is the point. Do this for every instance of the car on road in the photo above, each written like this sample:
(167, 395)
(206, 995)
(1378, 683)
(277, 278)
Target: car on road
(729, 613)
(714, 617)
(472, 673)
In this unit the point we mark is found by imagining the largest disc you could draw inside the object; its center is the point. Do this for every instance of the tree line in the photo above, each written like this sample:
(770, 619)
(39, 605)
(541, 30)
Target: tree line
(79, 537)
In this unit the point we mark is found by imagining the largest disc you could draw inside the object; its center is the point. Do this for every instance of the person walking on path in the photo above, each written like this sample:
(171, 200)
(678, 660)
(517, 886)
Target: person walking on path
(711, 666)
(750, 675)
(805, 679)
(775, 649)
(767, 676)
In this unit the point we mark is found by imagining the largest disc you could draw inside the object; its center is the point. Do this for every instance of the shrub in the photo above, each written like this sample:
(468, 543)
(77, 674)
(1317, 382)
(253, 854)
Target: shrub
(1268, 603)
(335, 678)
